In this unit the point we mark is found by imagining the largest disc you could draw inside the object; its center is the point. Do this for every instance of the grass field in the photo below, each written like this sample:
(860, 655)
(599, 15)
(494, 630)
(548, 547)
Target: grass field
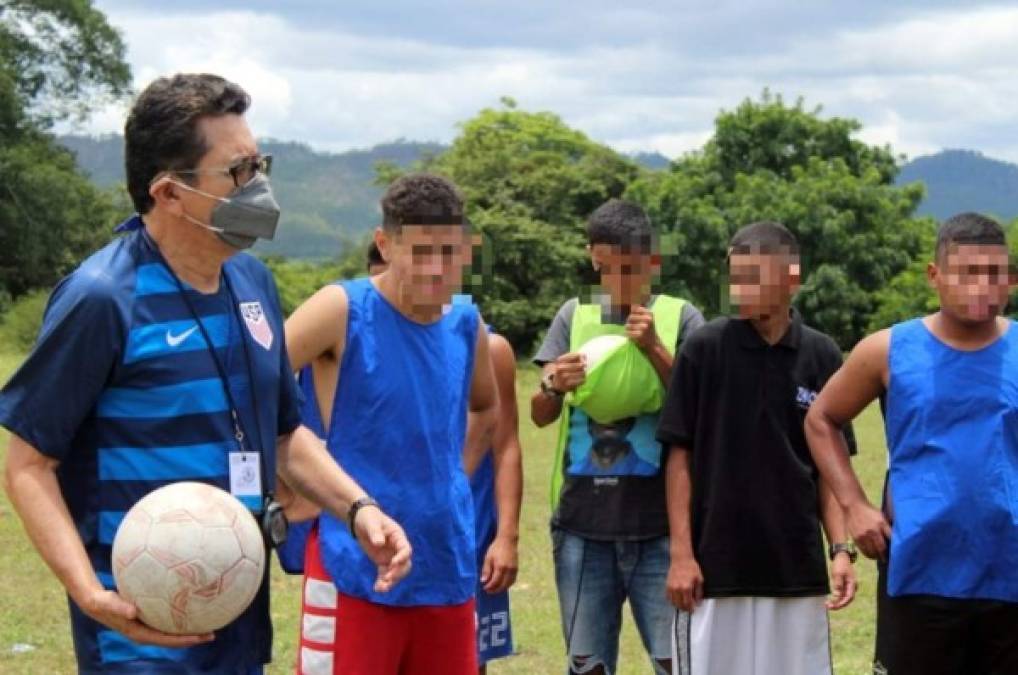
(33, 608)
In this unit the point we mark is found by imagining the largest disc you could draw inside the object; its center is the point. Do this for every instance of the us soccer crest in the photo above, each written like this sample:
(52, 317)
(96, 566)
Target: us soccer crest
(257, 323)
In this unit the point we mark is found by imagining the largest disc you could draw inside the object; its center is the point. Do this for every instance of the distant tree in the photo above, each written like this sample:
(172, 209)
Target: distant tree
(530, 182)
(771, 161)
(298, 280)
(20, 323)
(59, 59)
(51, 216)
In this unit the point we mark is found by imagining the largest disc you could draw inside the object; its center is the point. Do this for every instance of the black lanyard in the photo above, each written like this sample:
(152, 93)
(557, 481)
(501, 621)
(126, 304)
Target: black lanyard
(238, 427)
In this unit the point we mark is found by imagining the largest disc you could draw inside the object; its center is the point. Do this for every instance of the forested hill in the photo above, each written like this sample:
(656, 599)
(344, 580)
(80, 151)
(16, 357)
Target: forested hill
(331, 198)
(327, 198)
(964, 180)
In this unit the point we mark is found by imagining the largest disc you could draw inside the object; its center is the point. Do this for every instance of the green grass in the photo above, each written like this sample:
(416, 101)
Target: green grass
(33, 608)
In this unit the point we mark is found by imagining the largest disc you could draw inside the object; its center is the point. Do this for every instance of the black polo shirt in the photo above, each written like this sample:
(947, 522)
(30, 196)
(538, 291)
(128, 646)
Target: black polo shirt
(738, 405)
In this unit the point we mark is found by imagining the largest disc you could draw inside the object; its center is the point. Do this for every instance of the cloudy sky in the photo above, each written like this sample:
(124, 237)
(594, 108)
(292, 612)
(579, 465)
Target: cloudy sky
(337, 75)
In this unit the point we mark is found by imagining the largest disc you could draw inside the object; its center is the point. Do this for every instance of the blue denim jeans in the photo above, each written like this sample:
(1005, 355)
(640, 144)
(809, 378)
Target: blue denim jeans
(594, 579)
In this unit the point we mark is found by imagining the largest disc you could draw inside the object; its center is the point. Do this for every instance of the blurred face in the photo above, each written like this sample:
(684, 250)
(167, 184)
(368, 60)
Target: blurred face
(973, 281)
(427, 261)
(627, 276)
(762, 284)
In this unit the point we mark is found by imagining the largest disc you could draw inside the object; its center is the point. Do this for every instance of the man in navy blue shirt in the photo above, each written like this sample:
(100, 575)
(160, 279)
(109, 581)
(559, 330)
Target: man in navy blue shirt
(161, 359)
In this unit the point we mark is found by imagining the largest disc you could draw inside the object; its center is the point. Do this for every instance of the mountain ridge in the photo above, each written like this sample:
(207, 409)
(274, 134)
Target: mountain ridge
(329, 198)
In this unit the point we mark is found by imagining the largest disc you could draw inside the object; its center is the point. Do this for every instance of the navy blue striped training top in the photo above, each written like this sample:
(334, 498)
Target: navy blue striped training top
(122, 390)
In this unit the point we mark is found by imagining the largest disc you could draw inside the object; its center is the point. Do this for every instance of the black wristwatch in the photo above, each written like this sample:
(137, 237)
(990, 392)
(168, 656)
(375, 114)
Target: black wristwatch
(548, 386)
(847, 547)
(358, 504)
(274, 524)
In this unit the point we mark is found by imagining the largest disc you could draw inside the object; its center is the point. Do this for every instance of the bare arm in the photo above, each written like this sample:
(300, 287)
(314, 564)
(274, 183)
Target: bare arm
(831, 516)
(856, 384)
(31, 483)
(843, 581)
(679, 490)
(685, 580)
(662, 362)
(545, 409)
(308, 468)
(501, 560)
(315, 331)
(318, 327)
(296, 506)
(483, 413)
(568, 372)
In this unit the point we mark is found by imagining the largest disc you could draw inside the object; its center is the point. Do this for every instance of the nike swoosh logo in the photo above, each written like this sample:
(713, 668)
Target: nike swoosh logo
(175, 340)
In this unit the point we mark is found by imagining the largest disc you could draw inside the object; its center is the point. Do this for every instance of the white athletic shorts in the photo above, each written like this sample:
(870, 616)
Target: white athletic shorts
(753, 636)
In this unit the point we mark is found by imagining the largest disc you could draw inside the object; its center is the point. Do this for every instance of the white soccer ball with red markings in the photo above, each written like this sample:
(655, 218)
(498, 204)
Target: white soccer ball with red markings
(598, 349)
(190, 557)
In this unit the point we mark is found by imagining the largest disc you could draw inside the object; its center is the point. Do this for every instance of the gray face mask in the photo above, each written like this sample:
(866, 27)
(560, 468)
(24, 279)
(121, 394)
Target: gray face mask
(249, 213)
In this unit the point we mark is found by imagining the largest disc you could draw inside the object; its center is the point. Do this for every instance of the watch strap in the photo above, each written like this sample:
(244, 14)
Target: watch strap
(357, 505)
(844, 547)
(548, 388)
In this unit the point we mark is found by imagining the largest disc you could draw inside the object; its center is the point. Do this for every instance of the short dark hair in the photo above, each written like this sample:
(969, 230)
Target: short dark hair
(421, 199)
(374, 256)
(621, 223)
(764, 237)
(969, 228)
(161, 133)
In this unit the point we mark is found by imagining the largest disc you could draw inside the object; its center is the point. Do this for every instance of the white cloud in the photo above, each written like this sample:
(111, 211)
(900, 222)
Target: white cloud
(919, 79)
(946, 41)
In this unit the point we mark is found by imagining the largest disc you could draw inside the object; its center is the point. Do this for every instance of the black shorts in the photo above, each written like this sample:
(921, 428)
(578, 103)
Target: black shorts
(932, 635)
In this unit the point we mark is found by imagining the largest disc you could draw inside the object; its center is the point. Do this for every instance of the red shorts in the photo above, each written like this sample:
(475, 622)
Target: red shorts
(378, 639)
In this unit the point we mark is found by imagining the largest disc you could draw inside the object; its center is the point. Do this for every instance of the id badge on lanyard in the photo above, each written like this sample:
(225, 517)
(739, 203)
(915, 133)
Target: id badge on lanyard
(245, 466)
(246, 479)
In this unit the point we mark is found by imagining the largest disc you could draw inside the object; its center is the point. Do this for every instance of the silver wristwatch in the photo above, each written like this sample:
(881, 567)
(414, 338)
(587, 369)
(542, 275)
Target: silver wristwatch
(548, 386)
